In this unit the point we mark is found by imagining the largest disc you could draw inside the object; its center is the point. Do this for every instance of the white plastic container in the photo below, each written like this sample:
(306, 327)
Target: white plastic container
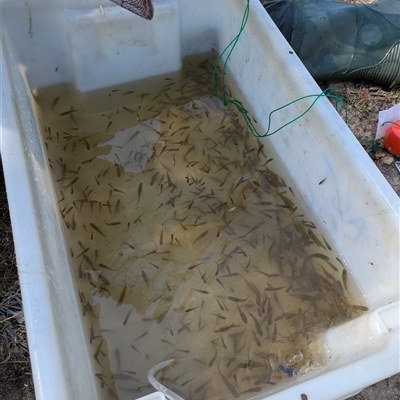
(92, 44)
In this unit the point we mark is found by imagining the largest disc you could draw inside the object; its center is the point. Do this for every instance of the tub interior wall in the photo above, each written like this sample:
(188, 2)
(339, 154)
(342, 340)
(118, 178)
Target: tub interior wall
(91, 44)
(45, 44)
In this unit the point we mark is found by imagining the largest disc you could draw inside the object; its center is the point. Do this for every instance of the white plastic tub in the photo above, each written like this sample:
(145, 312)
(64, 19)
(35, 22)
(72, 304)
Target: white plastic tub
(92, 44)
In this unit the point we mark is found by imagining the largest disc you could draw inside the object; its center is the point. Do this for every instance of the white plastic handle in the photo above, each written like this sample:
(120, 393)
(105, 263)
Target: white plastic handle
(361, 336)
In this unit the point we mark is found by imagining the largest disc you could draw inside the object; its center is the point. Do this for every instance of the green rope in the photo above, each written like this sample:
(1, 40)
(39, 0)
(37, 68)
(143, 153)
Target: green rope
(391, 122)
(329, 93)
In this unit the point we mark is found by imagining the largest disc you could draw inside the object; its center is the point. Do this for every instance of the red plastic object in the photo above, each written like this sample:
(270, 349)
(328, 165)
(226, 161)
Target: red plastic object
(392, 139)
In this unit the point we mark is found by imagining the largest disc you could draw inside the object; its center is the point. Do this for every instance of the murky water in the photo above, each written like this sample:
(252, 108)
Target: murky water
(185, 241)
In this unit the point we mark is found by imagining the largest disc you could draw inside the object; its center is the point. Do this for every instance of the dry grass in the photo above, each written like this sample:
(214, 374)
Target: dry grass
(15, 370)
(364, 101)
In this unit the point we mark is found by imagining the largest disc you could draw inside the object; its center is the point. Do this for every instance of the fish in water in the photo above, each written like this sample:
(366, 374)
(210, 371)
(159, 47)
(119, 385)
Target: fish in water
(143, 8)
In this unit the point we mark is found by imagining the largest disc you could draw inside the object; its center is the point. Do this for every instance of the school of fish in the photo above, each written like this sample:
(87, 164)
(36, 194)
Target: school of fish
(186, 243)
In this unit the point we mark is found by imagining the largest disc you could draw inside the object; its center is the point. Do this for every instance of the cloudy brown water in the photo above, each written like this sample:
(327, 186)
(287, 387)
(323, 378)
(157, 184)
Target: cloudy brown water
(185, 241)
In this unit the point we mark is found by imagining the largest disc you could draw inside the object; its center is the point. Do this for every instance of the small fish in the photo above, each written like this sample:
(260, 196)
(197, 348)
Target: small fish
(242, 314)
(244, 365)
(154, 177)
(127, 109)
(326, 244)
(315, 239)
(225, 328)
(55, 101)
(142, 335)
(332, 266)
(355, 307)
(220, 283)
(194, 266)
(106, 267)
(127, 317)
(101, 377)
(231, 275)
(156, 267)
(86, 143)
(223, 343)
(132, 137)
(202, 326)
(71, 183)
(122, 296)
(314, 255)
(203, 276)
(112, 223)
(89, 161)
(330, 276)
(134, 348)
(185, 327)
(162, 316)
(92, 334)
(210, 364)
(129, 245)
(68, 112)
(97, 230)
(344, 278)
(82, 253)
(255, 290)
(237, 299)
(97, 352)
(150, 253)
(201, 291)
(145, 278)
(218, 316)
(257, 324)
(236, 335)
(186, 382)
(88, 260)
(118, 358)
(191, 309)
(274, 334)
(124, 376)
(140, 188)
(229, 385)
(200, 236)
(220, 305)
(256, 339)
(167, 342)
(272, 289)
(202, 386)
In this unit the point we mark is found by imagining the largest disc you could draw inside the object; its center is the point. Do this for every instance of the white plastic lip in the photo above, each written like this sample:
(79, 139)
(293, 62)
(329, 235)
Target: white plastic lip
(47, 357)
(33, 282)
(154, 396)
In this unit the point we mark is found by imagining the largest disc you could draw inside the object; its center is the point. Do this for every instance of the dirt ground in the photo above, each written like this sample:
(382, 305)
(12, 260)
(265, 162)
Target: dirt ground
(15, 370)
(364, 100)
